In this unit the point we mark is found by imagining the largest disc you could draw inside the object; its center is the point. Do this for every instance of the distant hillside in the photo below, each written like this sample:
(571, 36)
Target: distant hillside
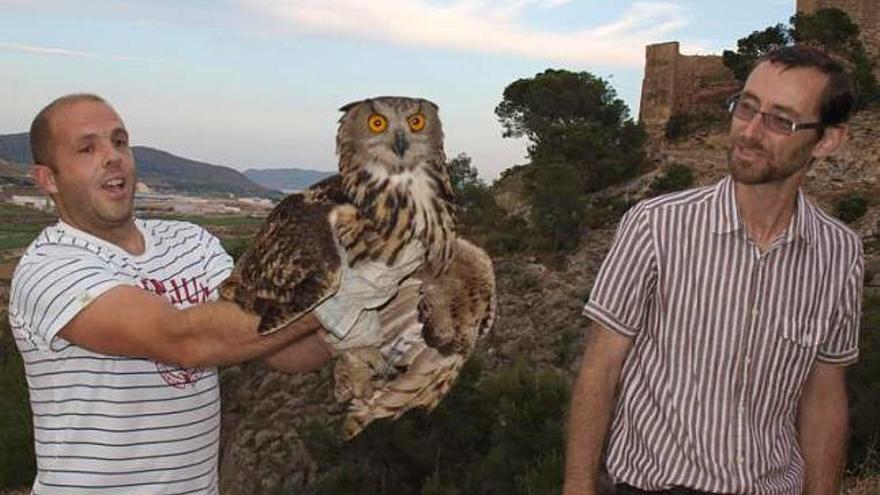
(285, 179)
(15, 148)
(160, 170)
(163, 171)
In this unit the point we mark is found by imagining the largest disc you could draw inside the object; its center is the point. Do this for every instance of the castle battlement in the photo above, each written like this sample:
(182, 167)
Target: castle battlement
(678, 84)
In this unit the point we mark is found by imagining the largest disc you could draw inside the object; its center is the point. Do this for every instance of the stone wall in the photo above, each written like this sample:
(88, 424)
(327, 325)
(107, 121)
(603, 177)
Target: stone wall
(677, 84)
(865, 13)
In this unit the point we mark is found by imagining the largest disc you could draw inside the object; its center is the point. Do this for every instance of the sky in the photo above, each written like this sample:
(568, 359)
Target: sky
(258, 83)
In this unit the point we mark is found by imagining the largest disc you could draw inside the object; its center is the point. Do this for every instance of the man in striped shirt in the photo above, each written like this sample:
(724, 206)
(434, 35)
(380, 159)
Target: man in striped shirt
(117, 322)
(724, 317)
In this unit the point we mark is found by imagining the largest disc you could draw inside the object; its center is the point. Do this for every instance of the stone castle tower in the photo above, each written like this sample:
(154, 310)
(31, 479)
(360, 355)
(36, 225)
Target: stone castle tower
(676, 84)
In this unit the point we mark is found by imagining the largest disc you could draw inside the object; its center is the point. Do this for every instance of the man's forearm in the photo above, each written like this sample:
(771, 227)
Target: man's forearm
(222, 333)
(306, 354)
(587, 426)
(822, 430)
(593, 399)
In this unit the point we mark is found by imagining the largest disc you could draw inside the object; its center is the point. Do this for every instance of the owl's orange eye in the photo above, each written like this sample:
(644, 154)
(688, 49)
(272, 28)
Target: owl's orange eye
(377, 123)
(416, 122)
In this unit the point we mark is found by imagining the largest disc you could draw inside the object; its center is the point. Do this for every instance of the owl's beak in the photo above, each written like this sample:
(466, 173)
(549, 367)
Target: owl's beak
(400, 143)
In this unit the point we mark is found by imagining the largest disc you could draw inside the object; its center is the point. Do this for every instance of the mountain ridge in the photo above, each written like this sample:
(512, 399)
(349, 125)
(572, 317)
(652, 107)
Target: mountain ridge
(166, 172)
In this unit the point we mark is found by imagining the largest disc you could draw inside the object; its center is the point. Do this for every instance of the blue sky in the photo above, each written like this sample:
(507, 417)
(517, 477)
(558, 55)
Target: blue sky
(257, 83)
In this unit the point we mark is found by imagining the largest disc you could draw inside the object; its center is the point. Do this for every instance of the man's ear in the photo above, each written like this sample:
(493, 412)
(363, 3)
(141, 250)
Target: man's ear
(832, 138)
(45, 177)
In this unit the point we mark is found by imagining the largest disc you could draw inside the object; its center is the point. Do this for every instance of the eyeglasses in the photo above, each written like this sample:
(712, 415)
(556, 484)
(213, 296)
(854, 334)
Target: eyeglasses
(746, 110)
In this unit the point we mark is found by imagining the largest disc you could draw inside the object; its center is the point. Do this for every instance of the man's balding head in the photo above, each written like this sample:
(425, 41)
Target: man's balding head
(41, 127)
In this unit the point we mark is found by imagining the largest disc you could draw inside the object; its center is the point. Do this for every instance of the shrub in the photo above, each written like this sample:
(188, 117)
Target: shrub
(851, 209)
(501, 433)
(863, 384)
(675, 178)
(677, 126)
(17, 462)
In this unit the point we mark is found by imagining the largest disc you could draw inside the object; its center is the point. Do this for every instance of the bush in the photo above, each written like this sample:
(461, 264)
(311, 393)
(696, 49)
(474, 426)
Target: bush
(676, 178)
(501, 433)
(682, 125)
(17, 461)
(851, 209)
(236, 246)
(863, 384)
(677, 126)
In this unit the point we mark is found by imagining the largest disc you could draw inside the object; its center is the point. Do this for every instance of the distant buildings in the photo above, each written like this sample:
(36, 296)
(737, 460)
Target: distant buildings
(147, 203)
(153, 204)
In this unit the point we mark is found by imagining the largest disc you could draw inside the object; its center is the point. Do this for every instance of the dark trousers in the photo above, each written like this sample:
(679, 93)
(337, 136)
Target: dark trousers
(624, 489)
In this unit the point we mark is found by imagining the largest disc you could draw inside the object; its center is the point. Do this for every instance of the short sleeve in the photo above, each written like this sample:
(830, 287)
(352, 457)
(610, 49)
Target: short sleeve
(627, 278)
(49, 291)
(841, 347)
(218, 265)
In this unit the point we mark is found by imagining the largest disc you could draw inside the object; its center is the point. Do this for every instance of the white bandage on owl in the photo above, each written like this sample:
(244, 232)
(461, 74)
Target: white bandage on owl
(365, 287)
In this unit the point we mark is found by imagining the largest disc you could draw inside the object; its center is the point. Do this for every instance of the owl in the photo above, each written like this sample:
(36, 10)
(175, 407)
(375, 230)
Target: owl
(392, 191)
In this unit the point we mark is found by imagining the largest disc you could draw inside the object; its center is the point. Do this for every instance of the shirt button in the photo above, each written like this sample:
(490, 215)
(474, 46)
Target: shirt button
(740, 460)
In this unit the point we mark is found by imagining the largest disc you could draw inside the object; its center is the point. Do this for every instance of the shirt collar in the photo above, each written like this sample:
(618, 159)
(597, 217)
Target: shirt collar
(726, 219)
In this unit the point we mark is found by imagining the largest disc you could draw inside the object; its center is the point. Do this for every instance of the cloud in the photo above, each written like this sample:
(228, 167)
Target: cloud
(64, 52)
(481, 26)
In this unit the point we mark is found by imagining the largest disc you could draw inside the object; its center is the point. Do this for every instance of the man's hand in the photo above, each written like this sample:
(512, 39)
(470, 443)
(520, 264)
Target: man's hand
(350, 316)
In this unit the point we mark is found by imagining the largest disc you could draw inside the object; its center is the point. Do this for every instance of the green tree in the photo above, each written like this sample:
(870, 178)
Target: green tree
(832, 29)
(836, 32)
(462, 175)
(576, 119)
(557, 209)
(753, 47)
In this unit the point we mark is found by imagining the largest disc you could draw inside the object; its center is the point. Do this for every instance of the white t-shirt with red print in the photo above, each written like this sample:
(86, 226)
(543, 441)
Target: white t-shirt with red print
(110, 424)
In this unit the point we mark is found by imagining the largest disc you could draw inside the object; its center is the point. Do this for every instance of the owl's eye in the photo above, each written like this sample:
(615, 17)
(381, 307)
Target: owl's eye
(416, 122)
(377, 123)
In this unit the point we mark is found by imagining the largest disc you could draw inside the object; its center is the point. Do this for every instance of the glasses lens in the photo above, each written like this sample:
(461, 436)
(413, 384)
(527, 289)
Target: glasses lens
(744, 110)
(777, 124)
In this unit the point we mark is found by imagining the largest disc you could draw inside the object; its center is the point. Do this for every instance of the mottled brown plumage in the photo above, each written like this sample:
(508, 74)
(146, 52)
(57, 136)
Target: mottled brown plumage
(393, 190)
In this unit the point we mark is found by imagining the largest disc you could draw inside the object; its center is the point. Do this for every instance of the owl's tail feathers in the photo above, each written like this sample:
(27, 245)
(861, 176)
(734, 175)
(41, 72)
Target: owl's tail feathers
(417, 375)
(424, 384)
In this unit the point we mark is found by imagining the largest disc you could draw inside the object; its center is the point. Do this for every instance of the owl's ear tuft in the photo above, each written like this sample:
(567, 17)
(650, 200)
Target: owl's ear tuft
(349, 106)
(431, 103)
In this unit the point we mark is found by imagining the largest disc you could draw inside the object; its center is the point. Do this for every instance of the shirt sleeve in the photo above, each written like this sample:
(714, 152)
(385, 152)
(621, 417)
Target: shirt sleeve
(626, 282)
(841, 347)
(49, 291)
(218, 265)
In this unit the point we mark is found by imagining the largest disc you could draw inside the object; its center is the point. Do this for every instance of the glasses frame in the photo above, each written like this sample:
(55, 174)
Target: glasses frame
(733, 104)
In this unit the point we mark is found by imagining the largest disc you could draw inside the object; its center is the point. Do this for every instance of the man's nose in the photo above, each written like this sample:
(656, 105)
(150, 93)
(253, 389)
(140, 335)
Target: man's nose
(754, 127)
(112, 156)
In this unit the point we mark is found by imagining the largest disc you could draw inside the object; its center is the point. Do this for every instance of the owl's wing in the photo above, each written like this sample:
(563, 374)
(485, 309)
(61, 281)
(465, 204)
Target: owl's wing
(292, 264)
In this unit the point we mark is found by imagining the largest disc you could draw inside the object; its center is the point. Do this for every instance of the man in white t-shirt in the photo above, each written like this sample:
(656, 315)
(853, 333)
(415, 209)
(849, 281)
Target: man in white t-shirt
(118, 324)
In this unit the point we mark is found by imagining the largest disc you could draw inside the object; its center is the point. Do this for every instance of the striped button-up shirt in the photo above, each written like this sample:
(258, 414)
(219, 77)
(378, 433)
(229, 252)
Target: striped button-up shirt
(724, 337)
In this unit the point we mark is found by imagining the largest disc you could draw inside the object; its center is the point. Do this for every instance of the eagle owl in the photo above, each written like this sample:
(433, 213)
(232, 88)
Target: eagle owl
(392, 190)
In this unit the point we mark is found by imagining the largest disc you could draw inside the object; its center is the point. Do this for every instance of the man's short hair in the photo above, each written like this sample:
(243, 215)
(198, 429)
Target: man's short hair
(838, 99)
(41, 128)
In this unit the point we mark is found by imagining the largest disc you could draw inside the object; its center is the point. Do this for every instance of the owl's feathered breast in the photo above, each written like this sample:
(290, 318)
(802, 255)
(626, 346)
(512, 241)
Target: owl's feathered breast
(400, 208)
